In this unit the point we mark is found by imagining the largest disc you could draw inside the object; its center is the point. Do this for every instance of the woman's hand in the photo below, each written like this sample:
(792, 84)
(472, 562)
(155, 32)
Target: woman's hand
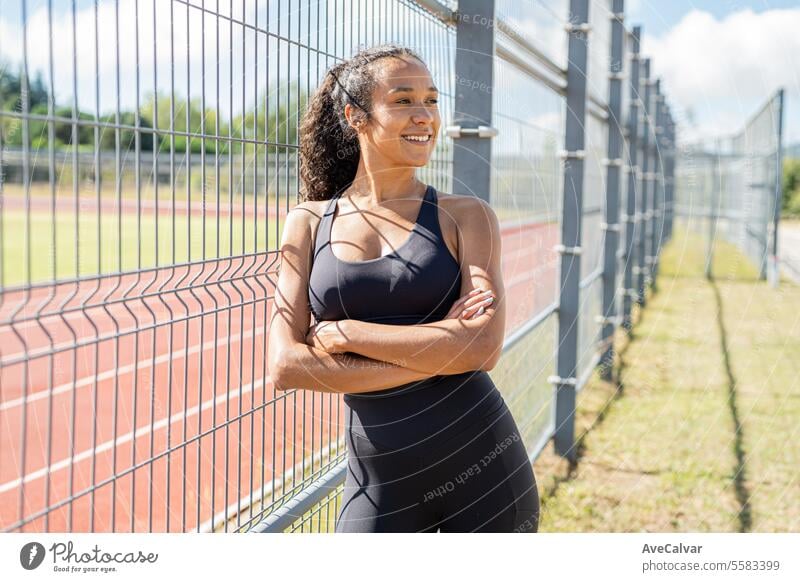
(471, 305)
(327, 336)
(330, 336)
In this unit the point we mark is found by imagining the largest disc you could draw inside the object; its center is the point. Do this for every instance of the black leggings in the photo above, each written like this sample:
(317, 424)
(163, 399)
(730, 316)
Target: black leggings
(446, 457)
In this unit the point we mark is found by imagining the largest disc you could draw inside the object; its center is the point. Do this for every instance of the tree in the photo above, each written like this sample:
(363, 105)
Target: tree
(11, 100)
(162, 104)
(282, 122)
(127, 137)
(791, 186)
(11, 90)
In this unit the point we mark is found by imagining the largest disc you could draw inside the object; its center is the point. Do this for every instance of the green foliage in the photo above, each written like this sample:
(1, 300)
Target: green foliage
(62, 131)
(791, 187)
(11, 90)
(11, 100)
(127, 137)
(281, 125)
(275, 119)
(168, 115)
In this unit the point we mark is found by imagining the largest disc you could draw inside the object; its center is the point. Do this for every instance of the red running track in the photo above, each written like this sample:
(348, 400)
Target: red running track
(143, 402)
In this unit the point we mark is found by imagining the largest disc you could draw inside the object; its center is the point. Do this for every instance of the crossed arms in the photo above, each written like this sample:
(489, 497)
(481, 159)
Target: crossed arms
(372, 356)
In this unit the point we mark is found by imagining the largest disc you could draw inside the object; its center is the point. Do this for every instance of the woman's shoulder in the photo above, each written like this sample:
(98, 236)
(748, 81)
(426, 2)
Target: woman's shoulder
(458, 205)
(312, 206)
(309, 212)
(303, 219)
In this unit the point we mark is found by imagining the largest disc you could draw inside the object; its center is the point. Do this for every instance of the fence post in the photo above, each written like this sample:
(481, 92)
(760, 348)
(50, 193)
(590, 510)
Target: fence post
(472, 153)
(565, 379)
(658, 185)
(612, 226)
(668, 175)
(773, 273)
(673, 137)
(630, 218)
(641, 252)
(712, 209)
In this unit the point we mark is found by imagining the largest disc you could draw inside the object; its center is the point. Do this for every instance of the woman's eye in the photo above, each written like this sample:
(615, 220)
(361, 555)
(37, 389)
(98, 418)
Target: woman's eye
(406, 101)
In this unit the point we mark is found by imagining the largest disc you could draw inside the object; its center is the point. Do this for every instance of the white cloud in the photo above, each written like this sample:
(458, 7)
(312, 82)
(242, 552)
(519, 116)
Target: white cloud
(633, 9)
(723, 70)
(543, 31)
(171, 29)
(552, 121)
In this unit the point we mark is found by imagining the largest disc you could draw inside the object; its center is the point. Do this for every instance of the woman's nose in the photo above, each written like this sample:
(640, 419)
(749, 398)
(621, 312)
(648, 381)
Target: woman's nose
(422, 115)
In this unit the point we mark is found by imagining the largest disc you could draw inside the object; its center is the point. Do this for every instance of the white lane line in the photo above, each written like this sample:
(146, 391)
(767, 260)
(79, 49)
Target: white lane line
(129, 436)
(142, 365)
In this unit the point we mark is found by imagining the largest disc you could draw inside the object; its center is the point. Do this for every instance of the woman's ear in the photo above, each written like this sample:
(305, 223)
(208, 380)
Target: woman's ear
(354, 116)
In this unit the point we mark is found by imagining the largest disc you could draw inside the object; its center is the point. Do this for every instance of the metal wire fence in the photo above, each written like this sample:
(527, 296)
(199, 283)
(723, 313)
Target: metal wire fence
(148, 159)
(729, 187)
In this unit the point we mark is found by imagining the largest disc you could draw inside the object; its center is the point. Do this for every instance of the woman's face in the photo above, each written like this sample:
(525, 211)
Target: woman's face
(405, 115)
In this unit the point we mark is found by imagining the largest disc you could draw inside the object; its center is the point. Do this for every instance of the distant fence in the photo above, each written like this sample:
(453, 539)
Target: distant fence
(730, 187)
(282, 168)
(136, 288)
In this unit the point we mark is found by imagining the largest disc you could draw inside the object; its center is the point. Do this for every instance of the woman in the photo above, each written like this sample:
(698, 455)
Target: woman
(405, 287)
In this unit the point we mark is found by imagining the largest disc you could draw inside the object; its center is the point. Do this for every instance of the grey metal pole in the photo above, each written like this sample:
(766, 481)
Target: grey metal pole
(774, 262)
(673, 158)
(630, 216)
(645, 211)
(658, 187)
(614, 161)
(472, 154)
(565, 379)
(668, 175)
(666, 149)
(712, 211)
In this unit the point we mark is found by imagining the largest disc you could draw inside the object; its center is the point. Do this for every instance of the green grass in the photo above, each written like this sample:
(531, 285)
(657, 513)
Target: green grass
(663, 454)
(118, 246)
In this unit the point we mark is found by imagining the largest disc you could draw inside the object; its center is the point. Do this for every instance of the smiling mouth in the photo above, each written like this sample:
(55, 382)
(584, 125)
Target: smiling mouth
(417, 139)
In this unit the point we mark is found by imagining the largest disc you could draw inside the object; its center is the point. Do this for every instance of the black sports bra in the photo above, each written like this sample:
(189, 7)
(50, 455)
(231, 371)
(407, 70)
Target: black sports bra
(416, 283)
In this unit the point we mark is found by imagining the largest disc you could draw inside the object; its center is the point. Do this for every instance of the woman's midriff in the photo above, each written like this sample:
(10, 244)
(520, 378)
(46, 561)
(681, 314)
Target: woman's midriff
(419, 415)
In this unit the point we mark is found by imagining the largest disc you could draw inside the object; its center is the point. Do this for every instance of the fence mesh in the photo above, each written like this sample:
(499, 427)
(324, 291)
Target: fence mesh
(729, 187)
(148, 160)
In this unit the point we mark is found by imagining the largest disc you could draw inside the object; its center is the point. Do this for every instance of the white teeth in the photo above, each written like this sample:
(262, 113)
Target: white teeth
(417, 138)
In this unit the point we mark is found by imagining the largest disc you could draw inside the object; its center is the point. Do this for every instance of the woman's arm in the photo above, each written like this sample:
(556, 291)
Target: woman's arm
(292, 362)
(450, 346)
(312, 369)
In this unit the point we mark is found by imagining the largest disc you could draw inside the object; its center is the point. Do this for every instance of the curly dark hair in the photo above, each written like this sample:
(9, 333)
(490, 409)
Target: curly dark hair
(329, 148)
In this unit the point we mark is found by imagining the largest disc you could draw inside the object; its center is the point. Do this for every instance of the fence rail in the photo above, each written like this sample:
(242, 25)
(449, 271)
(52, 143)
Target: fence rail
(145, 175)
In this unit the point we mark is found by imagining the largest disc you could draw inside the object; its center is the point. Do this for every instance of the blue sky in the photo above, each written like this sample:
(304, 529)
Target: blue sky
(720, 60)
(659, 16)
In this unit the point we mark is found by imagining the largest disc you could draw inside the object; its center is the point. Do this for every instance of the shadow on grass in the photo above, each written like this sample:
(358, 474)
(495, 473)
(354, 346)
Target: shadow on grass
(740, 477)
